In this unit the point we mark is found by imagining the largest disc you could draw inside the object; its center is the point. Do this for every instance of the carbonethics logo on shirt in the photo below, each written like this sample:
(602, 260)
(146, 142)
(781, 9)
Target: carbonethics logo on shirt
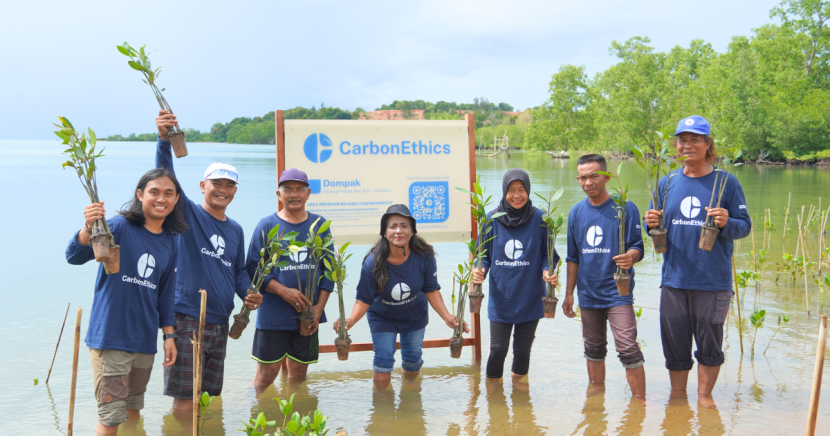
(146, 266)
(146, 263)
(401, 293)
(218, 244)
(689, 208)
(300, 256)
(513, 249)
(317, 147)
(594, 238)
(219, 249)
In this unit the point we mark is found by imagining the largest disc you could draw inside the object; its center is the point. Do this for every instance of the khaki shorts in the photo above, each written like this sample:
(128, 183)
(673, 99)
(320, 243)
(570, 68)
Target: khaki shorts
(120, 382)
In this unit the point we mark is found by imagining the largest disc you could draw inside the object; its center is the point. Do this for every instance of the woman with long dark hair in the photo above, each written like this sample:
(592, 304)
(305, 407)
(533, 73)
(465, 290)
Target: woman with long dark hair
(398, 278)
(516, 259)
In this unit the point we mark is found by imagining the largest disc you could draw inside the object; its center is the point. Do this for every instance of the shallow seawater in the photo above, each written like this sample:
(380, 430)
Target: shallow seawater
(768, 394)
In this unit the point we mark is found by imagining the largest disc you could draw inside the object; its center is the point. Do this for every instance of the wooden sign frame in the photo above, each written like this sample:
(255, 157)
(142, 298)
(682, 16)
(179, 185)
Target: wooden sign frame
(474, 339)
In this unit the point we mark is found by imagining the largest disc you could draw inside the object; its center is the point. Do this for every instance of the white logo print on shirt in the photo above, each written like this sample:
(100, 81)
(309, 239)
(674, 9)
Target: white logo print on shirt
(299, 256)
(690, 208)
(594, 238)
(513, 249)
(218, 244)
(401, 294)
(146, 266)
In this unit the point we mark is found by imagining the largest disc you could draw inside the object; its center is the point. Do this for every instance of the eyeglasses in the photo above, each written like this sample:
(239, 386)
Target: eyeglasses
(594, 177)
(221, 172)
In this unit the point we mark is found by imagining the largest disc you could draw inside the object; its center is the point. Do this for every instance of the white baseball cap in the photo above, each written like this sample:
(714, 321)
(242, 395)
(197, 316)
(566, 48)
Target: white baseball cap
(221, 171)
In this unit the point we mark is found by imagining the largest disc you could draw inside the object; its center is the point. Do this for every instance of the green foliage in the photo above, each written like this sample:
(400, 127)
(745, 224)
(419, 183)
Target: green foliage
(757, 319)
(336, 272)
(769, 92)
(553, 224)
(293, 424)
(651, 160)
(316, 249)
(728, 159)
(782, 319)
(204, 402)
(620, 197)
(638, 313)
(140, 61)
(36, 381)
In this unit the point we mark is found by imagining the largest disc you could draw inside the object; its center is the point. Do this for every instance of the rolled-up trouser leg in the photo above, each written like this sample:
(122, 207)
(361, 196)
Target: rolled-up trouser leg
(523, 337)
(708, 311)
(499, 343)
(624, 328)
(594, 334)
(676, 330)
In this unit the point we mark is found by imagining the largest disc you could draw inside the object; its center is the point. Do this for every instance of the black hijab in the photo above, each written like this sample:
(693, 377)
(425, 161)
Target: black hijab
(515, 217)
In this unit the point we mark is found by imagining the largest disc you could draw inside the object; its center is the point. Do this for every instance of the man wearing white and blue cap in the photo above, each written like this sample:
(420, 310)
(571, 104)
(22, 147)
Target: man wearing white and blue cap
(277, 338)
(696, 284)
(211, 256)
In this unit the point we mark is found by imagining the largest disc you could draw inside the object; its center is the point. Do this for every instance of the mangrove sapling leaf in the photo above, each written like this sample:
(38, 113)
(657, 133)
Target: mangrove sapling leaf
(620, 197)
(757, 320)
(638, 314)
(783, 317)
(335, 264)
(204, 402)
(315, 250)
(36, 381)
(553, 226)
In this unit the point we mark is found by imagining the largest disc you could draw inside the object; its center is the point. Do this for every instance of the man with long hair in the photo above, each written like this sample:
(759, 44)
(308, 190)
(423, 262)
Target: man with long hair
(211, 257)
(277, 325)
(129, 307)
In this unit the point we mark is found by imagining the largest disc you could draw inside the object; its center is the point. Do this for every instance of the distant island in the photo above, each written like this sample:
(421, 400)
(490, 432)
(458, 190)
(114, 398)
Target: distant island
(260, 130)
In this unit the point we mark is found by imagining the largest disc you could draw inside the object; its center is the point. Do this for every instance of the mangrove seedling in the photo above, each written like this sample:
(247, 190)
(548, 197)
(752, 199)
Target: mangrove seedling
(313, 424)
(709, 232)
(82, 155)
(651, 165)
(478, 206)
(463, 278)
(257, 426)
(620, 197)
(140, 62)
(757, 320)
(204, 402)
(783, 317)
(638, 314)
(336, 272)
(36, 381)
(311, 251)
(553, 226)
(269, 258)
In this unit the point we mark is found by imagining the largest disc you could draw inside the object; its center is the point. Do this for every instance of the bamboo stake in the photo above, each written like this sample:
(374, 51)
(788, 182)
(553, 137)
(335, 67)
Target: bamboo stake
(197, 364)
(754, 260)
(74, 372)
(738, 298)
(803, 260)
(49, 374)
(821, 238)
(786, 215)
(812, 413)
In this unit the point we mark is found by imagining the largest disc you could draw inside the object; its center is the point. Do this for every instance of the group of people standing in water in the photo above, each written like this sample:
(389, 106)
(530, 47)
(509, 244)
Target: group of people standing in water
(172, 247)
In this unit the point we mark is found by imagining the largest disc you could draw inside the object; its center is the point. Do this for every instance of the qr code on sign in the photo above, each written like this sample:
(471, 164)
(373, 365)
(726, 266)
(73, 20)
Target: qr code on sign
(429, 201)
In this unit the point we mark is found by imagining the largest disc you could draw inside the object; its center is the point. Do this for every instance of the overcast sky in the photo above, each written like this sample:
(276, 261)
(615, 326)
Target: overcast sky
(227, 59)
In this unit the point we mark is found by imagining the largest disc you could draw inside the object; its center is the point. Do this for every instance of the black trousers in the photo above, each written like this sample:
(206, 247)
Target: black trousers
(500, 341)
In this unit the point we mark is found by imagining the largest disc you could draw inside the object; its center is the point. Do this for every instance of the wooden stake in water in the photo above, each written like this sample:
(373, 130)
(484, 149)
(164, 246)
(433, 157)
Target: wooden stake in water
(197, 363)
(821, 238)
(803, 261)
(74, 372)
(812, 412)
(754, 259)
(49, 374)
(786, 216)
(738, 300)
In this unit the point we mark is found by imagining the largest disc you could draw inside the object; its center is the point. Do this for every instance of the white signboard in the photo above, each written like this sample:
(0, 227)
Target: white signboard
(357, 169)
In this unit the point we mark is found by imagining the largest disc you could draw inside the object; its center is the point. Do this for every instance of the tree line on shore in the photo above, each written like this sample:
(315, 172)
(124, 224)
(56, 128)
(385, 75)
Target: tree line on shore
(769, 93)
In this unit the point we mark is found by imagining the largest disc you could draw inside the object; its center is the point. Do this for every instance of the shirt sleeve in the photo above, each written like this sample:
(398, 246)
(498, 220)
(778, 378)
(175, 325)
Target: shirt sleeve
(633, 231)
(366, 286)
(573, 252)
(431, 276)
(739, 224)
(167, 290)
(77, 254)
(164, 159)
(243, 279)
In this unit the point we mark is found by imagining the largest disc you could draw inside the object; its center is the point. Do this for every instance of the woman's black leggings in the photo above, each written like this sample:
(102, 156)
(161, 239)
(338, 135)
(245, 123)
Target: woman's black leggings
(499, 342)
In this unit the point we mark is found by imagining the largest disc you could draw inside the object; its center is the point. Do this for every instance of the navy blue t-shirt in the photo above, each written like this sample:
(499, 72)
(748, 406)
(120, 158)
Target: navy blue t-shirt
(211, 257)
(685, 265)
(514, 260)
(402, 306)
(593, 241)
(276, 313)
(129, 307)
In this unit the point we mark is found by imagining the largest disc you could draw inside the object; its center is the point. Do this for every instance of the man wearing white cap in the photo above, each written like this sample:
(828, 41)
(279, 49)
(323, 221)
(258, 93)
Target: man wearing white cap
(211, 256)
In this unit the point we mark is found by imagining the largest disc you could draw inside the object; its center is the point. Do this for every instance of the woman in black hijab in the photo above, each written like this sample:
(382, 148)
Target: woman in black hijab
(516, 259)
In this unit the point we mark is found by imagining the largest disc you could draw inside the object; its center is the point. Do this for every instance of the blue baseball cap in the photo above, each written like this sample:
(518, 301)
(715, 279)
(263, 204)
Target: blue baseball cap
(694, 124)
(293, 174)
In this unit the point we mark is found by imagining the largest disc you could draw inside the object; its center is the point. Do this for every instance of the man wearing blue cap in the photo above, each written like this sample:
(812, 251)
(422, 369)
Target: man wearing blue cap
(696, 284)
(211, 256)
(277, 325)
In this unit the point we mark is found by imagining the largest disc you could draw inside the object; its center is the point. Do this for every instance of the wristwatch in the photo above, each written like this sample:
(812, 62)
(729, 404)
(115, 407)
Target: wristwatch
(172, 336)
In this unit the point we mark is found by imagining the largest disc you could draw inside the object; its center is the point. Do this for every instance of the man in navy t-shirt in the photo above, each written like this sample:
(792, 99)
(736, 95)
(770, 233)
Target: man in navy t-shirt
(211, 257)
(593, 244)
(130, 306)
(277, 325)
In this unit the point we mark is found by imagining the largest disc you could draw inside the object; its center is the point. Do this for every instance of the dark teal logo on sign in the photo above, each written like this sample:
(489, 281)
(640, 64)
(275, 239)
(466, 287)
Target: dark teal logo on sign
(317, 147)
(429, 201)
